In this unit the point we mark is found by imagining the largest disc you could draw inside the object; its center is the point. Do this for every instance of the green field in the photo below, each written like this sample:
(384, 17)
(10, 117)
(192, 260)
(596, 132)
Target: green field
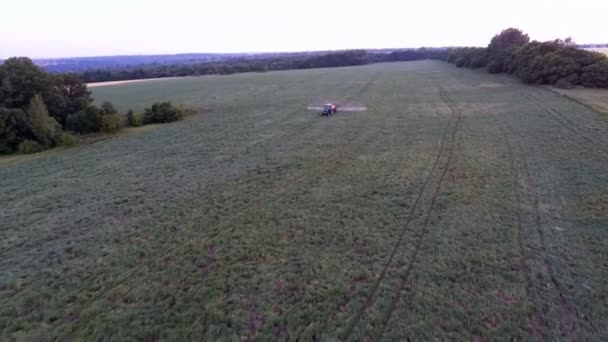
(460, 206)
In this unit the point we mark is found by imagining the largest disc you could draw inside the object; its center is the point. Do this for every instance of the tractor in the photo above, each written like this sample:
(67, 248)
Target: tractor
(329, 109)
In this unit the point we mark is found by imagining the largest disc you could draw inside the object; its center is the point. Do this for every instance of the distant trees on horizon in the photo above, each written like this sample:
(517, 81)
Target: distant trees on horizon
(559, 62)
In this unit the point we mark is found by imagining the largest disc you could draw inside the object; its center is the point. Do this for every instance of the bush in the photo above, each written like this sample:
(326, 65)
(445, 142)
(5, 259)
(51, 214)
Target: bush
(85, 121)
(563, 84)
(133, 120)
(33, 124)
(45, 129)
(162, 112)
(110, 123)
(108, 108)
(14, 128)
(30, 146)
(68, 139)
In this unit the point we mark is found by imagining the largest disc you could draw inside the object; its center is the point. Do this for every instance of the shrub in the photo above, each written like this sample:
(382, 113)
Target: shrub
(45, 129)
(110, 123)
(30, 146)
(108, 108)
(68, 139)
(595, 75)
(14, 128)
(162, 112)
(133, 120)
(563, 83)
(85, 121)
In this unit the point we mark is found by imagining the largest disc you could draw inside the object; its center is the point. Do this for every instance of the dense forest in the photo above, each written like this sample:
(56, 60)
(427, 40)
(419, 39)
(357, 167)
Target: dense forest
(559, 62)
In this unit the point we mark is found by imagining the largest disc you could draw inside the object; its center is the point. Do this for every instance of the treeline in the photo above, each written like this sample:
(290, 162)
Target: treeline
(39, 110)
(560, 62)
(285, 62)
(352, 57)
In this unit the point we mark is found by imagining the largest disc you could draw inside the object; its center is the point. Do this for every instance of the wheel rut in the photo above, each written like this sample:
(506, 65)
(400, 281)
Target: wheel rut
(567, 309)
(572, 126)
(449, 133)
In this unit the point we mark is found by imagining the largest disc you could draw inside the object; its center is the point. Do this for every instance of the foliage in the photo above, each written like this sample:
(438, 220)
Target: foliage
(536, 62)
(108, 108)
(162, 112)
(68, 139)
(33, 124)
(21, 80)
(14, 128)
(44, 128)
(133, 120)
(110, 123)
(85, 121)
(30, 146)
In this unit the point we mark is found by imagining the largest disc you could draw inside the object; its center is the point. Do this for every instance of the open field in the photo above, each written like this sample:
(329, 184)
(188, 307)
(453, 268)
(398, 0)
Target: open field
(596, 99)
(460, 205)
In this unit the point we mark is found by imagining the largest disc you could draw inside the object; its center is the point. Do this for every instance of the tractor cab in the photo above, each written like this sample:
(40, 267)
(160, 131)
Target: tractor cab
(329, 109)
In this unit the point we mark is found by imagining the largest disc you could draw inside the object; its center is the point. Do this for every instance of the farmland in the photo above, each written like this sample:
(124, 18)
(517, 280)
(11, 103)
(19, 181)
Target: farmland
(460, 205)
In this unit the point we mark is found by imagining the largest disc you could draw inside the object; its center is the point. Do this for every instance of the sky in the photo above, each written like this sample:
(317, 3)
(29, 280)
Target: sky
(70, 28)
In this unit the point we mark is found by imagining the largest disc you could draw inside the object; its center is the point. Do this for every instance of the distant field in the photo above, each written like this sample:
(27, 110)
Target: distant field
(113, 83)
(460, 206)
(602, 50)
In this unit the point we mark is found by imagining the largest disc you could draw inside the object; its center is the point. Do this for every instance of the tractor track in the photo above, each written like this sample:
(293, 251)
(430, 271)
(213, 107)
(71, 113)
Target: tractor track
(329, 165)
(572, 126)
(537, 319)
(568, 311)
(420, 238)
(455, 114)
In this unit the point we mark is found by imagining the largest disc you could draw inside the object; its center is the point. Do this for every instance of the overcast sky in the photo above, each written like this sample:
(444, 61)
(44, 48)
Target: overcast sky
(64, 28)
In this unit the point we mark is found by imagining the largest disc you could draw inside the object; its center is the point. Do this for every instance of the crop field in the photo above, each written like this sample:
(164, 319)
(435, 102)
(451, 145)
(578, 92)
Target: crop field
(459, 206)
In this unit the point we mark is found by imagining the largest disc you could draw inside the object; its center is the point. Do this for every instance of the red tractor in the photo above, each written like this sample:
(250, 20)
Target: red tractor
(329, 109)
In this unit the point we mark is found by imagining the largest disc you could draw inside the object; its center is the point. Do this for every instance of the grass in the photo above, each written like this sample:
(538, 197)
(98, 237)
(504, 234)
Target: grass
(596, 99)
(80, 141)
(450, 209)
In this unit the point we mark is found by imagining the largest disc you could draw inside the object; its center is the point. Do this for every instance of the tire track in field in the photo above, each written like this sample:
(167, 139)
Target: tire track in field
(575, 128)
(419, 239)
(370, 141)
(328, 166)
(538, 327)
(370, 297)
(568, 311)
(386, 173)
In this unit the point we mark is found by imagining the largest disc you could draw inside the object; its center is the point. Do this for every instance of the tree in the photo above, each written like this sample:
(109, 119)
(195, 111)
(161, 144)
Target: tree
(68, 95)
(108, 108)
(22, 80)
(508, 39)
(502, 45)
(85, 121)
(44, 128)
(162, 112)
(14, 128)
